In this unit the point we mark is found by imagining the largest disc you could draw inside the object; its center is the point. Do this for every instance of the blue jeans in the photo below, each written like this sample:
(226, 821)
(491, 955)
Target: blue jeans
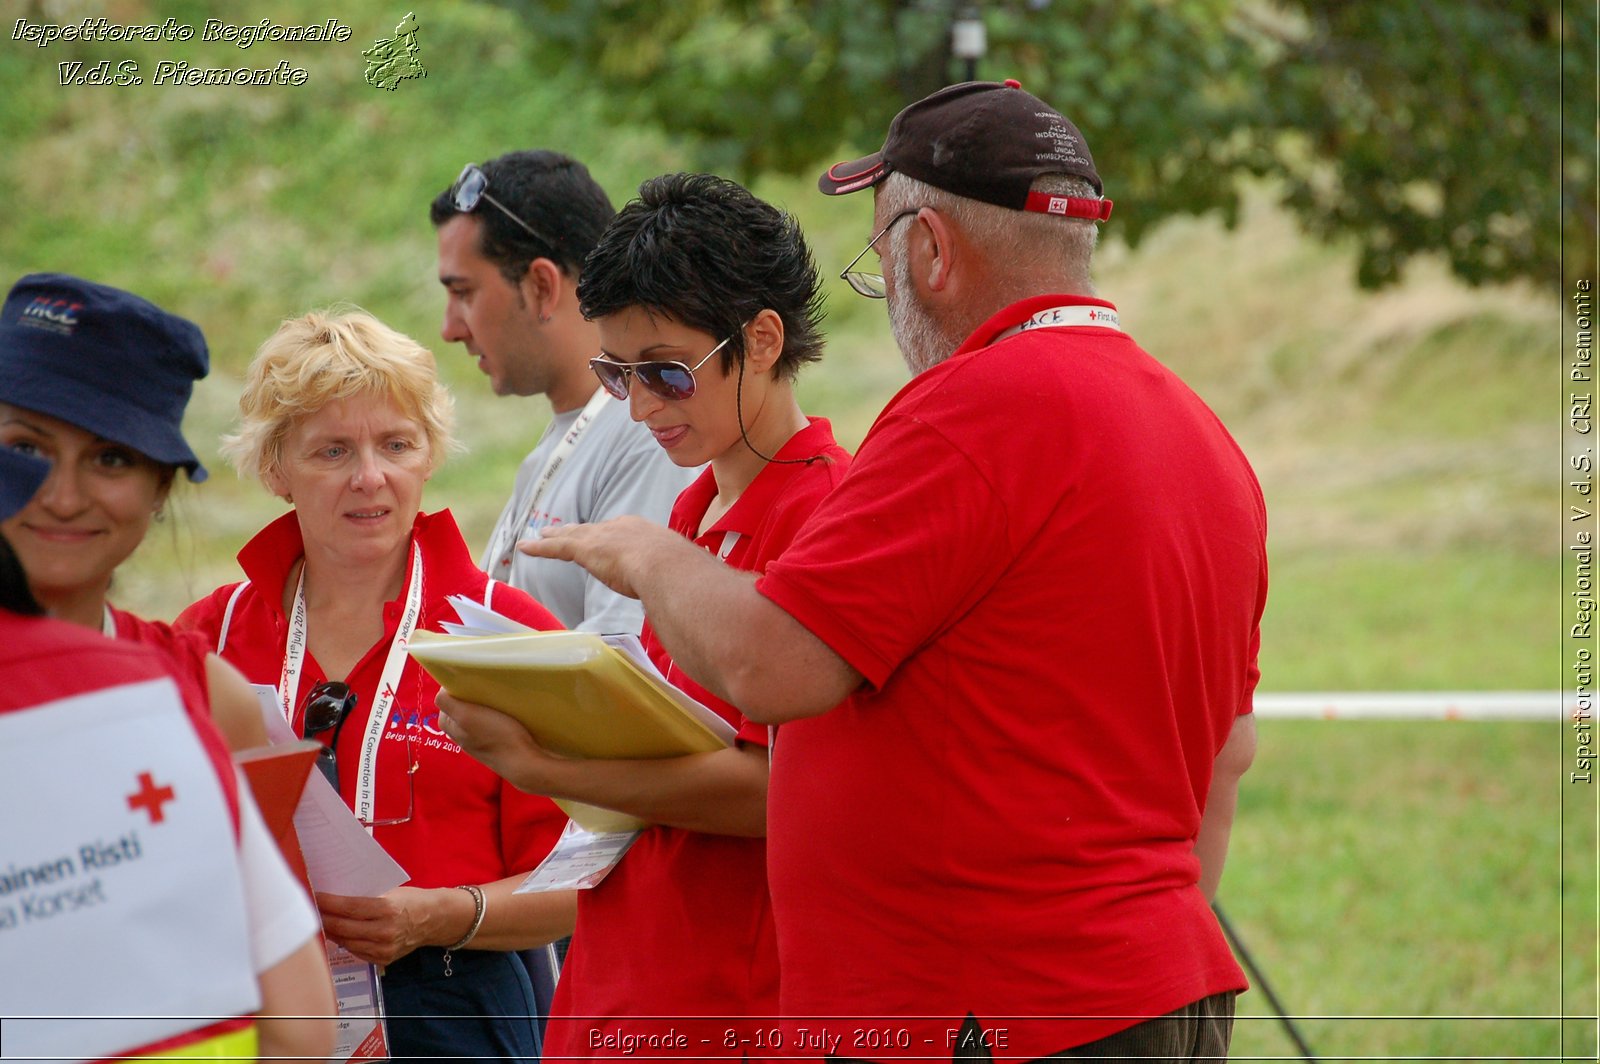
(484, 1011)
(544, 971)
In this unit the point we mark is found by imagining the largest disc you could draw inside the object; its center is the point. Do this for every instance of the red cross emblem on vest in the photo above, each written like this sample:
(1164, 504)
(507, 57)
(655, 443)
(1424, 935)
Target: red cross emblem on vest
(151, 798)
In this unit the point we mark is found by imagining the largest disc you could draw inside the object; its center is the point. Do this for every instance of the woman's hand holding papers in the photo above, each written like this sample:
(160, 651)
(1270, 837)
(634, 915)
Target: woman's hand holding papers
(381, 930)
(502, 743)
(723, 792)
(384, 929)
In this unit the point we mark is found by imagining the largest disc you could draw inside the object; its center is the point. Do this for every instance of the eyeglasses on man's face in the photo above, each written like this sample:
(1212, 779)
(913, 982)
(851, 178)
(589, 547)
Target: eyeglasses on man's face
(871, 284)
(667, 380)
(473, 186)
(327, 706)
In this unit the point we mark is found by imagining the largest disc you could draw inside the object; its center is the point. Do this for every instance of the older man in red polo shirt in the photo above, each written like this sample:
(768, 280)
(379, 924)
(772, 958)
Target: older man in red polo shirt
(1013, 654)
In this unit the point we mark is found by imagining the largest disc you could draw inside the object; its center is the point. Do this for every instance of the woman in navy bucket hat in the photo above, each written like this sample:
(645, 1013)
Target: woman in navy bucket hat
(55, 673)
(95, 380)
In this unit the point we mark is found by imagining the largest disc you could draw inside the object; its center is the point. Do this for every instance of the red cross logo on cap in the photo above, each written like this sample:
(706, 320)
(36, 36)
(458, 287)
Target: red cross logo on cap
(151, 798)
(1092, 314)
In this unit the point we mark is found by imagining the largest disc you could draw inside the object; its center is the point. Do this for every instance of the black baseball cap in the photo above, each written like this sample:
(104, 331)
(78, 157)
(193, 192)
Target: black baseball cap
(984, 140)
(104, 360)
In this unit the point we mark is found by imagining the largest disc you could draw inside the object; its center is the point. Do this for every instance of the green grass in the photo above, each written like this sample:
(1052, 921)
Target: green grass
(1457, 618)
(1413, 870)
(1406, 443)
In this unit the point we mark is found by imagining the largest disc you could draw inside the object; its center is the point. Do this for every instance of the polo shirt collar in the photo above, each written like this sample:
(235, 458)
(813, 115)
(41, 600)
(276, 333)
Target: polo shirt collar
(271, 553)
(1019, 312)
(757, 500)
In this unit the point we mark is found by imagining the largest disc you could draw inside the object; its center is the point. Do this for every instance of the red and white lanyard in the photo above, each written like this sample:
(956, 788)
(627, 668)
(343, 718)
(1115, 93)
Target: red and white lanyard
(1072, 314)
(294, 656)
(1069, 315)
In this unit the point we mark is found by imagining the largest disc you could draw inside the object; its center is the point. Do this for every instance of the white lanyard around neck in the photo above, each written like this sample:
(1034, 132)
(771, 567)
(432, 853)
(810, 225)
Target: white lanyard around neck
(294, 656)
(1070, 315)
(502, 550)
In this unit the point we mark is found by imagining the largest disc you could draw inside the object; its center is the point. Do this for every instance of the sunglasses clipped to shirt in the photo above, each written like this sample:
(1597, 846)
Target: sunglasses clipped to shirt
(667, 380)
(328, 705)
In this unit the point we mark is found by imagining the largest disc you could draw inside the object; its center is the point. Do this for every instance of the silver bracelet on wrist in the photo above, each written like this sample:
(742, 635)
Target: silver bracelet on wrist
(481, 905)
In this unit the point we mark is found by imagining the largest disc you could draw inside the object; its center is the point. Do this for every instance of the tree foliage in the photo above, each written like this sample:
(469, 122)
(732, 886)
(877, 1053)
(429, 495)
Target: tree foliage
(1416, 127)
(1437, 126)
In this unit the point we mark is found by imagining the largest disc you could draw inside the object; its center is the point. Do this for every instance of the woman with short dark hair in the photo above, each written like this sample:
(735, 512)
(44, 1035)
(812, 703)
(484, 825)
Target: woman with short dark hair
(707, 304)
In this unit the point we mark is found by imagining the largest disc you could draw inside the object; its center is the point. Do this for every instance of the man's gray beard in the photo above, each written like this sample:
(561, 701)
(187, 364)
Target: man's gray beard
(922, 343)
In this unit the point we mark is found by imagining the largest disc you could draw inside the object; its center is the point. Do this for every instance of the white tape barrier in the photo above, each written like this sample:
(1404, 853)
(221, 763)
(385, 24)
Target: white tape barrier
(1425, 705)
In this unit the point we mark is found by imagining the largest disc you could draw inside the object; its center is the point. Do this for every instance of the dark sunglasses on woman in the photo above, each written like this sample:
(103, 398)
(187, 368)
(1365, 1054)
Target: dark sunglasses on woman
(668, 380)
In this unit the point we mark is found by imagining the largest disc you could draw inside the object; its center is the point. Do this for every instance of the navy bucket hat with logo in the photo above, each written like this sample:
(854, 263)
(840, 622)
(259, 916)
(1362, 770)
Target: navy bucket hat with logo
(104, 360)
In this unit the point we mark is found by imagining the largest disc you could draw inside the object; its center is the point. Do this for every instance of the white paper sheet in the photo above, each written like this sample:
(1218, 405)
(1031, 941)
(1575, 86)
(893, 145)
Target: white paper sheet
(341, 858)
(579, 860)
(478, 619)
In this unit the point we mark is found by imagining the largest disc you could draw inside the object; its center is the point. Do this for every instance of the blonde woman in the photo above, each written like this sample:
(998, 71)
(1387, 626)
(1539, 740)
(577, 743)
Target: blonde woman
(345, 419)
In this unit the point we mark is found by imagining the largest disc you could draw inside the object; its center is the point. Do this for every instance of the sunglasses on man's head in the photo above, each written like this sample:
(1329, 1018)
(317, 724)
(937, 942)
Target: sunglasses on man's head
(473, 186)
(668, 380)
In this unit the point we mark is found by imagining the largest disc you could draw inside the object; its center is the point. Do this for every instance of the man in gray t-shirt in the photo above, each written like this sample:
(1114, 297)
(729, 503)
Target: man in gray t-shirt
(513, 234)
